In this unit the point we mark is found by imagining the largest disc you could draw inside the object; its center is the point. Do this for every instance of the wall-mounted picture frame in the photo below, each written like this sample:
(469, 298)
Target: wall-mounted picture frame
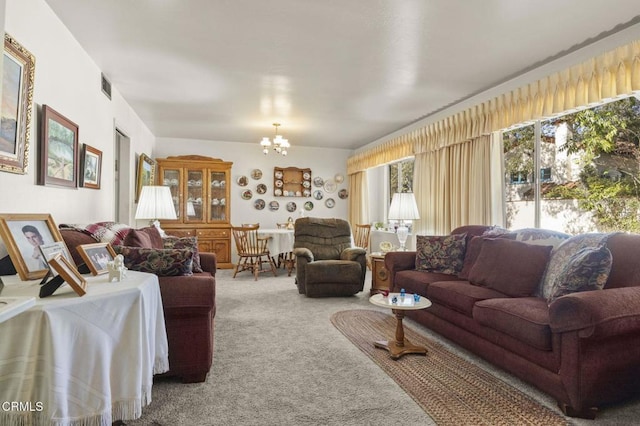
(58, 150)
(16, 106)
(69, 273)
(146, 173)
(91, 167)
(97, 256)
(22, 235)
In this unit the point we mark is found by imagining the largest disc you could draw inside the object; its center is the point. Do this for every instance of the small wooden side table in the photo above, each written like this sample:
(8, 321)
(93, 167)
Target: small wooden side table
(379, 274)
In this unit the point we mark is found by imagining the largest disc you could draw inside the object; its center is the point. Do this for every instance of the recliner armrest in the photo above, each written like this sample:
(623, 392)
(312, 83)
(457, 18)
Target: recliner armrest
(352, 253)
(303, 252)
(597, 313)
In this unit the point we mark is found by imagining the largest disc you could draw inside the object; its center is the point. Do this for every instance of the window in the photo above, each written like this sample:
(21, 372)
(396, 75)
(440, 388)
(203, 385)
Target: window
(589, 164)
(401, 177)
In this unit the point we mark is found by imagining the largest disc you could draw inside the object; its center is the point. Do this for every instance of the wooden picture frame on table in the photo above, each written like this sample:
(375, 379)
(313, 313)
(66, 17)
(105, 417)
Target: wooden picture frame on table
(16, 107)
(91, 167)
(69, 274)
(146, 173)
(58, 150)
(49, 251)
(96, 256)
(23, 234)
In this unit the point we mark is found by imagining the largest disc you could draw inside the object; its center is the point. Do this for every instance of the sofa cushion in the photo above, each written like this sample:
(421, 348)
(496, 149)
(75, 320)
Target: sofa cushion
(190, 243)
(460, 295)
(145, 238)
(560, 257)
(418, 281)
(160, 262)
(510, 267)
(525, 319)
(586, 270)
(443, 254)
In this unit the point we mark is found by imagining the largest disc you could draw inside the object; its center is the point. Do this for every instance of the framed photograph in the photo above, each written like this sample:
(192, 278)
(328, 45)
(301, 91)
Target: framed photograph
(69, 273)
(49, 251)
(23, 234)
(146, 173)
(96, 256)
(58, 150)
(91, 166)
(16, 106)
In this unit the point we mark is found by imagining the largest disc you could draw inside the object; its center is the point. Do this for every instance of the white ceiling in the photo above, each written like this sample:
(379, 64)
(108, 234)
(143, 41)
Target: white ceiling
(335, 73)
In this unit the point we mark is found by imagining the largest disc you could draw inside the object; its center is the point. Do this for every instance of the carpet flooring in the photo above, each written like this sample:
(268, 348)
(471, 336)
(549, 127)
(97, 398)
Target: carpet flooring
(278, 360)
(451, 390)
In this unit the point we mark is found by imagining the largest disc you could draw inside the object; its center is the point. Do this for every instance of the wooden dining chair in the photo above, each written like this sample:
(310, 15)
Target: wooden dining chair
(252, 251)
(361, 238)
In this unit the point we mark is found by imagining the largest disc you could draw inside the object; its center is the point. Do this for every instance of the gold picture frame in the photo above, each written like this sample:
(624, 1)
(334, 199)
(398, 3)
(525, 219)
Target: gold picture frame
(96, 256)
(146, 173)
(23, 234)
(16, 107)
(69, 273)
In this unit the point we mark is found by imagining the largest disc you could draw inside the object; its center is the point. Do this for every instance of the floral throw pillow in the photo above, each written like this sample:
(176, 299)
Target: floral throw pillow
(442, 254)
(586, 270)
(190, 243)
(162, 262)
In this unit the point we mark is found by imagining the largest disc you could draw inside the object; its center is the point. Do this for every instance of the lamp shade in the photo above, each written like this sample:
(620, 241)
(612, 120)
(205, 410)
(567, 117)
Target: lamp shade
(403, 207)
(155, 203)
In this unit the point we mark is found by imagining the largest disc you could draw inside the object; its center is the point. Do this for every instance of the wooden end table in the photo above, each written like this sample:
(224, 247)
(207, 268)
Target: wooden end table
(400, 346)
(379, 274)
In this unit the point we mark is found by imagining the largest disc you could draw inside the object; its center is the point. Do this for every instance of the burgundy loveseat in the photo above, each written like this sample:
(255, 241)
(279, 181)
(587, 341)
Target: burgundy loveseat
(189, 310)
(582, 348)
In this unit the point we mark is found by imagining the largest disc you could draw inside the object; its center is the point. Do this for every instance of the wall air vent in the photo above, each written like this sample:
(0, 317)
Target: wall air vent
(106, 86)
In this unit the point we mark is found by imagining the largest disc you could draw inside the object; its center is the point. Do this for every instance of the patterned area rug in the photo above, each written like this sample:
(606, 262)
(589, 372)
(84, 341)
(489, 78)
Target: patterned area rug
(450, 389)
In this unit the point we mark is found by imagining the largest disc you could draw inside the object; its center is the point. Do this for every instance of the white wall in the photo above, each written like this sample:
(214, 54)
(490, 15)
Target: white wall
(67, 80)
(325, 163)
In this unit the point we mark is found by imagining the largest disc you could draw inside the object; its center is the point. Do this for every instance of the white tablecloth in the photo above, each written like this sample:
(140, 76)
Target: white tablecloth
(281, 240)
(87, 360)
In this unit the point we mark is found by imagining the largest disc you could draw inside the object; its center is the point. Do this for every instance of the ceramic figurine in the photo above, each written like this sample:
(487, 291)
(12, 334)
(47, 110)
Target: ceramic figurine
(117, 269)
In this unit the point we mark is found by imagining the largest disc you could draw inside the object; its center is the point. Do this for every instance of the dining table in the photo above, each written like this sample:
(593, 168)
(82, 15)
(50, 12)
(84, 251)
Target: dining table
(280, 245)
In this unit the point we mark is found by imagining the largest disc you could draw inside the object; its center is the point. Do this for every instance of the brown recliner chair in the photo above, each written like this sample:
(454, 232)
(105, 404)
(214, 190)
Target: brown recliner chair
(327, 262)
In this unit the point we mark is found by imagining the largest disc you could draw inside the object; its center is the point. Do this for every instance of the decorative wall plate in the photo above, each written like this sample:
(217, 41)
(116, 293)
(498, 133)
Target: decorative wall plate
(306, 176)
(278, 192)
(278, 175)
(317, 194)
(279, 183)
(259, 204)
(338, 178)
(243, 181)
(306, 184)
(247, 194)
(256, 174)
(291, 207)
(330, 202)
(308, 206)
(318, 181)
(330, 186)
(274, 205)
(261, 188)
(343, 193)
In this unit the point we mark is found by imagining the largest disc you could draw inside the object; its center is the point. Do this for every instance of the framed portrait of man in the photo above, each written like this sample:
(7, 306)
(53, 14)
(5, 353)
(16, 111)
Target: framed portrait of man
(23, 234)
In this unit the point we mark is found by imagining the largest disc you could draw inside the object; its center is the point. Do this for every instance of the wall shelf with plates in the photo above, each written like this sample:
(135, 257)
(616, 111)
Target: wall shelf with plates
(200, 187)
(291, 182)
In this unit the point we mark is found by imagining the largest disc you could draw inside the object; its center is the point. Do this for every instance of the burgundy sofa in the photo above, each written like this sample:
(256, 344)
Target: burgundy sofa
(189, 310)
(583, 348)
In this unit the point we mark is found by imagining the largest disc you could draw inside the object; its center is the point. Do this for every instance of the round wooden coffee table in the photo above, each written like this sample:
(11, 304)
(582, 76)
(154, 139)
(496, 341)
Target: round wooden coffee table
(400, 346)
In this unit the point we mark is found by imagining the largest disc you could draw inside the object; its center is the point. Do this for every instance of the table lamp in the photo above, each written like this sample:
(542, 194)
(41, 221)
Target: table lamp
(156, 203)
(403, 207)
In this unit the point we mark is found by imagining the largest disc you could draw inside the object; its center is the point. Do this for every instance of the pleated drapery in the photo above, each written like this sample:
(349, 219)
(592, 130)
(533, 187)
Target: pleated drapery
(607, 76)
(358, 199)
(613, 74)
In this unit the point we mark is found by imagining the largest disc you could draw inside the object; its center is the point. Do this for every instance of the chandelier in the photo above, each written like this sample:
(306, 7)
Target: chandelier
(280, 144)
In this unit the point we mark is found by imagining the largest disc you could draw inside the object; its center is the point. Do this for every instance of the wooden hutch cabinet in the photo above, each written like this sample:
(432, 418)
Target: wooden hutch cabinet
(200, 187)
